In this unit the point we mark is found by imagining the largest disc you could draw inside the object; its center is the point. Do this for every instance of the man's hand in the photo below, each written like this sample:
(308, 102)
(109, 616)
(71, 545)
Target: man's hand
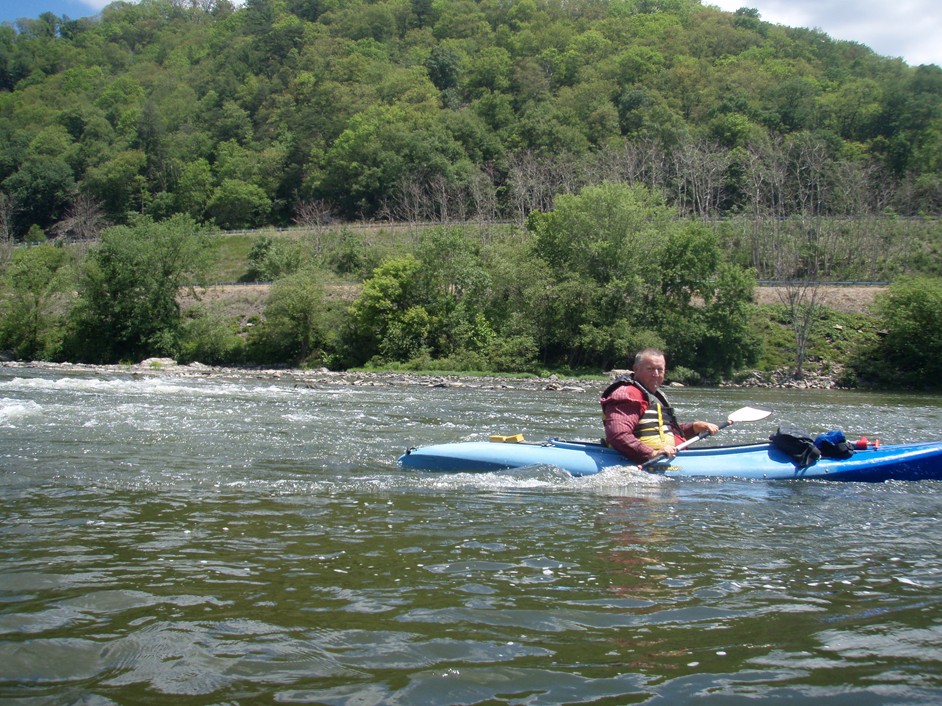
(669, 451)
(700, 427)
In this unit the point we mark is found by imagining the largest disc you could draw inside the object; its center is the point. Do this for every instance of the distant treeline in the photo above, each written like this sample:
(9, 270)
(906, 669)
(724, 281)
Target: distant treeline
(296, 111)
(608, 271)
(852, 249)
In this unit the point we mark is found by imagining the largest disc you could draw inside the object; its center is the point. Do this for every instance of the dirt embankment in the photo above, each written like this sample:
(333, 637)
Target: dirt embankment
(846, 299)
(248, 300)
(231, 300)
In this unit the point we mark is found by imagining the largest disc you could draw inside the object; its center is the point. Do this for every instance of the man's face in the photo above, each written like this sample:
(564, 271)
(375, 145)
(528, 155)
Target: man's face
(649, 371)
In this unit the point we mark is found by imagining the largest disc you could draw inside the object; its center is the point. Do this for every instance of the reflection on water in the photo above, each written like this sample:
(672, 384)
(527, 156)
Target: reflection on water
(187, 540)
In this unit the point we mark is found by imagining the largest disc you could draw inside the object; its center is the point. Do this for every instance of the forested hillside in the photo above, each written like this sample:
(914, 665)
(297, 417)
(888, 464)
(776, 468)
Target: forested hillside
(292, 110)
(620, 173)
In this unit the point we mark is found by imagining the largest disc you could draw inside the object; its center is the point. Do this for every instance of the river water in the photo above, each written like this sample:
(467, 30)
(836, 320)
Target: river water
(193, 539)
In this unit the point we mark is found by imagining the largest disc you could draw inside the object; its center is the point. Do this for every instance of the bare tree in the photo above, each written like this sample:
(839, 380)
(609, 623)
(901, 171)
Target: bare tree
(535, 181)
(411, 201)
(809, 162)
(316, 215)
(850, 193)
(699, 169)
(448, 200)
(623, 163)
(771, 248)
(7, 213)
(811, 182)
(483, 196)
(527, 180)
(803, 301)
(84, 220)
(424, 199)
(655, 162)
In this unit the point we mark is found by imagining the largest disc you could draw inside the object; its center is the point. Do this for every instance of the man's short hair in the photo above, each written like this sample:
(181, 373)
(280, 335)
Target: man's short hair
(648, 353)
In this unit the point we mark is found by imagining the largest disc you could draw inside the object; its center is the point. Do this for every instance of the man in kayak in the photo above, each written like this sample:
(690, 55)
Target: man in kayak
(639, 421)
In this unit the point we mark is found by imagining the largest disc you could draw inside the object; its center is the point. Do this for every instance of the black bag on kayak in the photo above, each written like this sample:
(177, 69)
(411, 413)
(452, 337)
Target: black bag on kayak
(798, 444)
(833, 444)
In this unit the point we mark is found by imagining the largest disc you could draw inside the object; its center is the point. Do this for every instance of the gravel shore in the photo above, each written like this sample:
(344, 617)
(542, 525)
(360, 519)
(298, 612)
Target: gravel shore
(154, 367)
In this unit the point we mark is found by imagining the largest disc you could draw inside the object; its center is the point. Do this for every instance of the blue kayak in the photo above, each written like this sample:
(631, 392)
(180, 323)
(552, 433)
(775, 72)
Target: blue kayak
(916, 461)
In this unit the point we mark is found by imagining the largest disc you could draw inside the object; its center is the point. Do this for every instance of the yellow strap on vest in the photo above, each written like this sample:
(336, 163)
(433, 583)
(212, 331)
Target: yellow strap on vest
(651, 432)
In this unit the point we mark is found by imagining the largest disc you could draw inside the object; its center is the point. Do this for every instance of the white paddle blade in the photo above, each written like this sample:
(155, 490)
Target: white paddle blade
(749, 414)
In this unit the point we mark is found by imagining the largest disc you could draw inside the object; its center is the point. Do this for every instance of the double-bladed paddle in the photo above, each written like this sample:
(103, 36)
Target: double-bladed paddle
(744, 414)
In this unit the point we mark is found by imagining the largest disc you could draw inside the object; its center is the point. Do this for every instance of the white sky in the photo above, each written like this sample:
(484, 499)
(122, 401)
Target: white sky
(911, 29)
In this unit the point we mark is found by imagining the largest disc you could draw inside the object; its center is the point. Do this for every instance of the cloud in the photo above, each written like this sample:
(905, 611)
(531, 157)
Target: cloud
(905, 28)
(95, 5)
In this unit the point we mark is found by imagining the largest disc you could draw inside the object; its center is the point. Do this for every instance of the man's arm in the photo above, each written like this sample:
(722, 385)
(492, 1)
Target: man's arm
(621, 412)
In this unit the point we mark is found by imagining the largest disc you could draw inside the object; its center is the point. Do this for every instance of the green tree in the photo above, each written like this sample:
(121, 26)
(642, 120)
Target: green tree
(273, 258)
(388, 317)
(128, 289)
(519, 283)
(194, 188)
(238, 204)
(487, 70)
(910, 354)
(262, 168)
(603, 248)
(208, 335)
(606, 232)
(118, 182)
(122, 102)
(42, 189)
(453, 283)
(36, 301)
(444, 67)
(432, 306)
(294, 325)
(381, 148)
(627, 272)
(730, 343)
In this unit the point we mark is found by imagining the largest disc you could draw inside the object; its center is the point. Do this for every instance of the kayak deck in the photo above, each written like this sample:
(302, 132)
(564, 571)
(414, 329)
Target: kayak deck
(913, 461)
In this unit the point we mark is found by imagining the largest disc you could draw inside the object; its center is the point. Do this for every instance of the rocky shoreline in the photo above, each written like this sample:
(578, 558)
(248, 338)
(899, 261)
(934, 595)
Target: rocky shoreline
(158, 367)
(786, 380)
(154, 367)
